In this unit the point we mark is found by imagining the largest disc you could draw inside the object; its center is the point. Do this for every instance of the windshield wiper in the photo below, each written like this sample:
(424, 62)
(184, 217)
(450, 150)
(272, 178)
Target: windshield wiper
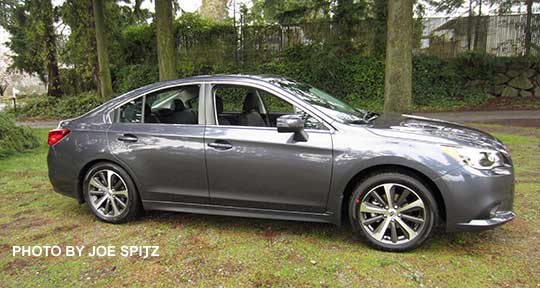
(357, 121)
(370, 116)
(366, 118)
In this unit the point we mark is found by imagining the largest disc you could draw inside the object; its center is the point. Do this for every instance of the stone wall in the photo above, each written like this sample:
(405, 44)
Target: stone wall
(516, 80)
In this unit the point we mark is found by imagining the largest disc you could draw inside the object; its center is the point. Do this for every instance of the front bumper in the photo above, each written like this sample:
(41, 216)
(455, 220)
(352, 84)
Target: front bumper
(477, 200)
(499, 218)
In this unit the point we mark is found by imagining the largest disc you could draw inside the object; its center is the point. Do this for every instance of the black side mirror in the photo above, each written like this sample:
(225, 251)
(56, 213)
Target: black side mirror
(292, 123)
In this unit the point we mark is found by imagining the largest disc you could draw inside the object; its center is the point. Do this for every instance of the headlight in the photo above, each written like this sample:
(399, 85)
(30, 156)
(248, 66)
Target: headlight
(477, 158)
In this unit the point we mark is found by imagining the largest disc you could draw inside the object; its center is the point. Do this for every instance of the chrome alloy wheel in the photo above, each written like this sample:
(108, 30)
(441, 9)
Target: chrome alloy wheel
(392, 213)
(108, 193)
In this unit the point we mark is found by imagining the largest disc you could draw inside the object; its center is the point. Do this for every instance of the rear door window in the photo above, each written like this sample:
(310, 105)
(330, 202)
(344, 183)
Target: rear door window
(131, 112)
(177, 105)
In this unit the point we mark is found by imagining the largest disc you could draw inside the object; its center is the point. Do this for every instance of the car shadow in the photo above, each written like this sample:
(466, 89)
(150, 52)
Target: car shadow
(457, 243)
(453, 243)
(252, 225)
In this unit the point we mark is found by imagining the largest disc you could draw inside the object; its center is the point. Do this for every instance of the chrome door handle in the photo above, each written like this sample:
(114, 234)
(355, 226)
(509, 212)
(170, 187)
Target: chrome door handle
(220, 145)
(128, 138)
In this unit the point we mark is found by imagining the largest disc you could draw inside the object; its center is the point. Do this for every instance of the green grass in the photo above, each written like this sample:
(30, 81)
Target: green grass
(209, 251)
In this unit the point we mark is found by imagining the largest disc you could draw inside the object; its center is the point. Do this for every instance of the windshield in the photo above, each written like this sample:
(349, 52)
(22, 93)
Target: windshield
(323, 101)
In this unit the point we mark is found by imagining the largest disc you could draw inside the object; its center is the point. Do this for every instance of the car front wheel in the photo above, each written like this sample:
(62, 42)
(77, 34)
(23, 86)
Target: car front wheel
(110, 193)
(392, 211)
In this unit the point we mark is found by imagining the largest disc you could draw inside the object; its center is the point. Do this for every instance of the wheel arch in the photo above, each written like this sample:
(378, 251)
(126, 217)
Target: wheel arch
(364, 173)
(87, 166)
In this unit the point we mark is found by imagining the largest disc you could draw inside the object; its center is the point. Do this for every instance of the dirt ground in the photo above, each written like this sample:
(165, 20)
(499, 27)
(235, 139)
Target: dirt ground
(527, 123)
(522, 128)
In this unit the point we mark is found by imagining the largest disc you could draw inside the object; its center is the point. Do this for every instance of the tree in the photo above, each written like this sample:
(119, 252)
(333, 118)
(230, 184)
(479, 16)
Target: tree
(165, 40)
(295, 11)
(506, 6)
(398, 71)
(348, 13)
(32, 39)
(49, 40)
(79, 48)
(214, 9)
(449, 6)
(4, 82)
(21, 23)
(528, 31)
(477, 28)
(103, 60)
(380, 11)
(3, 87)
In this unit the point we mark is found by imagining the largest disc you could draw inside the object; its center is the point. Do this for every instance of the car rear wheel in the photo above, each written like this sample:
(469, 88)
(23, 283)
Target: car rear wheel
(110, 193)
(392, 211)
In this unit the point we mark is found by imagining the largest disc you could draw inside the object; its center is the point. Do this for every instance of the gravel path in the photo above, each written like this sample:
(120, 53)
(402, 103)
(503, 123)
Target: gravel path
(485, 116)
(39, 124)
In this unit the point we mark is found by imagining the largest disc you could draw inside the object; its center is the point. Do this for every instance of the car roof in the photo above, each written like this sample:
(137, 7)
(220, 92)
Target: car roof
(262, 77)
(206, 78)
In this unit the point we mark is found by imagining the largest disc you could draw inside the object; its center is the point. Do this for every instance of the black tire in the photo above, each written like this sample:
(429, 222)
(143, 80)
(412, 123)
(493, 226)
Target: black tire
(421, 190)
(133, 206)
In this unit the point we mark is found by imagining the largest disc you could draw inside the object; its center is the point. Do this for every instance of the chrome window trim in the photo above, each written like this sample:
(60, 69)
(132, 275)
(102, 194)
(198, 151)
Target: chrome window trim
(328, 131)
(201, 85)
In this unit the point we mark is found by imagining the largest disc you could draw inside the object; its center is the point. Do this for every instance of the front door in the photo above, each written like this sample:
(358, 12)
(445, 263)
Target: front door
(253, 165)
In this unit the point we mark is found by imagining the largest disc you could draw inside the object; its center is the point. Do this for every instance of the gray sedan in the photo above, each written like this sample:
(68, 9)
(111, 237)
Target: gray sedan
(271, 147)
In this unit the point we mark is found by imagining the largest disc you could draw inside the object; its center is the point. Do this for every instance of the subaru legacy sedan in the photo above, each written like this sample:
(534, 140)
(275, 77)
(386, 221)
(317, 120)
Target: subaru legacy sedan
(271, 147)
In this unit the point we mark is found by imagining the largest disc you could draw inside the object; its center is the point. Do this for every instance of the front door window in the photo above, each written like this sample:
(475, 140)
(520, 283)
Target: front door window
(248, 106)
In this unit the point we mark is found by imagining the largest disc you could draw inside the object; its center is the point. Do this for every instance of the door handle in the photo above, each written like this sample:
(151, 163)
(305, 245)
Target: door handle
(221, 145)
(128, 138)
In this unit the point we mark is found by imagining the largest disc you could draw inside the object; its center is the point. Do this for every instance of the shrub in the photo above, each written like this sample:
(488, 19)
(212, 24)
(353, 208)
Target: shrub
(359, 80)
(53, 108)
(37, 107)
(15, 139)
(135, 76)
(73, 106)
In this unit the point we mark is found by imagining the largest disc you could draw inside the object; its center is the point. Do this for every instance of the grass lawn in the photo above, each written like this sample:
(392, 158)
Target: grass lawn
(210, 251)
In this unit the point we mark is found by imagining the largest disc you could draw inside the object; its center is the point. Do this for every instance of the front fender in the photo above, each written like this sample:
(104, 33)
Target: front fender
(349, 162)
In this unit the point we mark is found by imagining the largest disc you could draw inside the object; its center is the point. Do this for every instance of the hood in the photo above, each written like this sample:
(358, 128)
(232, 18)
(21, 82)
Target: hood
(416, 127)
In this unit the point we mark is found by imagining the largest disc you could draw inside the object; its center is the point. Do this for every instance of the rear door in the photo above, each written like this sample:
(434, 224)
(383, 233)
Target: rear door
(166, 157)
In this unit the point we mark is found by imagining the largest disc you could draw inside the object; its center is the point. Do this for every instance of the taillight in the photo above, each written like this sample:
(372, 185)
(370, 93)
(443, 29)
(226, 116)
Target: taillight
(56, 135)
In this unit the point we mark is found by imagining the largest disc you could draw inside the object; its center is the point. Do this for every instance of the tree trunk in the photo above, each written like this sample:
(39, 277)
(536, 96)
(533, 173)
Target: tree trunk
(528, 28)
(478, 27)
(344, 23)
(92, 46)
(165, 40)
(103, 60)
(380, 9)
(398, 71)
(469, 26)
(49, 38)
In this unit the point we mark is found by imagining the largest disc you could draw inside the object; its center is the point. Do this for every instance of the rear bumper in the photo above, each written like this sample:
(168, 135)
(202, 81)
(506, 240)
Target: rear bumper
(477, 200)
(62, 173)
(499, 218)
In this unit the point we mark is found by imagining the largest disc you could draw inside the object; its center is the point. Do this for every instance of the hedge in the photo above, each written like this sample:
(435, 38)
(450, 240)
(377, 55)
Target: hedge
(14, 139)
(46, 107)
(437, 84)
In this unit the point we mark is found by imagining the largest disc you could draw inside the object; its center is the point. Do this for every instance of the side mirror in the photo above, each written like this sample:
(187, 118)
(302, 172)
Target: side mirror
(292, 123)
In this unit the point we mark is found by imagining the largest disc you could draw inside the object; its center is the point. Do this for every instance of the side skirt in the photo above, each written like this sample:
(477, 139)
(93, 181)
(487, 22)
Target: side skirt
(238, 211)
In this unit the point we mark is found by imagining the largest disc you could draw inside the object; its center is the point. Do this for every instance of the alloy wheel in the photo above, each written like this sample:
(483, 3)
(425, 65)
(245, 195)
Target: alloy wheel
(108, 193)
(392, 213)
